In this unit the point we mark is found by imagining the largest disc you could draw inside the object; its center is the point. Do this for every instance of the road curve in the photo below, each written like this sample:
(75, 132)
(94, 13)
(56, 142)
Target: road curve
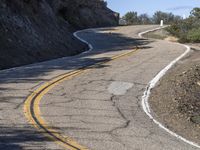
(100, 108)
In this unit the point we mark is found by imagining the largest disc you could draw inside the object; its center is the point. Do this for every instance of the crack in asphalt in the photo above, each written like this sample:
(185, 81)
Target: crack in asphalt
(123, 126)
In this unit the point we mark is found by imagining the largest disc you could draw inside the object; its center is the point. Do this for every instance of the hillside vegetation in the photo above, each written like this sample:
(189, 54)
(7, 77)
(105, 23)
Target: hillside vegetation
(132, 18)
(187, 30)
(38, 30)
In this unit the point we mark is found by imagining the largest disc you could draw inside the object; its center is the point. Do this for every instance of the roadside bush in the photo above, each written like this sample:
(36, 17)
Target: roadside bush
(173, 29)
(182, 29)
(194, 35)
(187, 30)
(178, 31)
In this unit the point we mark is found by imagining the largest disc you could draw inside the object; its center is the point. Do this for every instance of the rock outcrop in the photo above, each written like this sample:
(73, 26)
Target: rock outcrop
(37, 30)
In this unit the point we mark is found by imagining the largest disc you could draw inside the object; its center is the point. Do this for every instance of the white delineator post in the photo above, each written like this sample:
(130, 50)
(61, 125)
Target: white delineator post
(161, 23)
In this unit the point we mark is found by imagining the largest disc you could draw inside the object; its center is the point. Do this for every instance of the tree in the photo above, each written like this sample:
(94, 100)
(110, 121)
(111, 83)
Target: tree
(187, 30)
(195, 13)
(131, 18)
(158, 16)
(144, 19)
(168, 18)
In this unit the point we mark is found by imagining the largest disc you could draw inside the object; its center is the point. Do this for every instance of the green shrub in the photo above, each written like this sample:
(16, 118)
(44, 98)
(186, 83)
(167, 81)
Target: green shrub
(173, 30)
(187, 30)
(178, 31)
(194, 35)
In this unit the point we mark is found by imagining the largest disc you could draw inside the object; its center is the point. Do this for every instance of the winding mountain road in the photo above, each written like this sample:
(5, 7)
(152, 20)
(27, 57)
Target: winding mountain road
(89, 101)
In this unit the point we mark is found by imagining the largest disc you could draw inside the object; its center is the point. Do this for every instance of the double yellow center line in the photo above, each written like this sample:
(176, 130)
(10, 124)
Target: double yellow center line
(32, 106)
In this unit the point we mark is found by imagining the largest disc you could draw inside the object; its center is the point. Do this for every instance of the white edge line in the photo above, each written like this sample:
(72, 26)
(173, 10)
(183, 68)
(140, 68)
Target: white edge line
(141, 33)
(152, 84)
(84, 41)
(75, 34)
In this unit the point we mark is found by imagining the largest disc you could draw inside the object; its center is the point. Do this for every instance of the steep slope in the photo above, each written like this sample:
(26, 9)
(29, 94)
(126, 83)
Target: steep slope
(38, 30)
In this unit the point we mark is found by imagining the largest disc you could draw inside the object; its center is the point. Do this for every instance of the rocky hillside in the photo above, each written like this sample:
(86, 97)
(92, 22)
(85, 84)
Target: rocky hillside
(37, 30)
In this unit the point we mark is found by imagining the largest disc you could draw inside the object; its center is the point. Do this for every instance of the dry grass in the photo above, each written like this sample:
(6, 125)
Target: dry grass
(171, 39)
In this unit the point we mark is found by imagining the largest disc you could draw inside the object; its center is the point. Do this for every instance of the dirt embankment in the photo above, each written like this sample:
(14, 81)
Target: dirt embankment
(37, 30)
(176, 99)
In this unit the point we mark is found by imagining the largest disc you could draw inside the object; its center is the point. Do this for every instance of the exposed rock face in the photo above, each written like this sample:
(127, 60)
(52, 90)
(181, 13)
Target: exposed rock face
(38, 30)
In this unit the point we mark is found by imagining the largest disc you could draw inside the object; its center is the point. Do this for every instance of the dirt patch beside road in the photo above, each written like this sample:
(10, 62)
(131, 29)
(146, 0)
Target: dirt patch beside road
(176, 100)
(158, 34)
(161, 34)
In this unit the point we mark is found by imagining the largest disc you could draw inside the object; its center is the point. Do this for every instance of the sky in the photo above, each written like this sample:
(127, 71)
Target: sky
(178, 7)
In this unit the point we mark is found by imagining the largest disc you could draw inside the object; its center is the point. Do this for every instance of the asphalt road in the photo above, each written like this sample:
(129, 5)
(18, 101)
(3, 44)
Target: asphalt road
(99, 108)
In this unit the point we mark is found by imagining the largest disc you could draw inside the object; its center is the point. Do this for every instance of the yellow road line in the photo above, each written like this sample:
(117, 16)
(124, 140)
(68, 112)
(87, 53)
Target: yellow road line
(33, 114)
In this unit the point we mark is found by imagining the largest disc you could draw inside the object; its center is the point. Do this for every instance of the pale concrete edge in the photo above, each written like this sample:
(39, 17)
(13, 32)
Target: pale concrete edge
(84, 41)
(152, 84)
